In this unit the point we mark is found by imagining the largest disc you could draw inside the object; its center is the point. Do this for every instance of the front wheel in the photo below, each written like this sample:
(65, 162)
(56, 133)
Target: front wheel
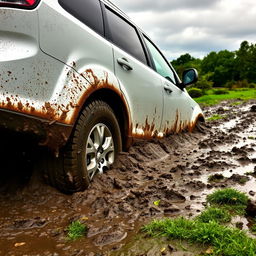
(92, 149)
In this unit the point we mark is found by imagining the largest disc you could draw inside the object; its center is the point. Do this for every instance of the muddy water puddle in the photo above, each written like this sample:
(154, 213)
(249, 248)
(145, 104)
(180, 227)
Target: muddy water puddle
(156, 179)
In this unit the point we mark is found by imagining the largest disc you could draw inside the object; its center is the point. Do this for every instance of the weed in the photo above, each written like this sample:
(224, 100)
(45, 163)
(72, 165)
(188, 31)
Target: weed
(224, 241)
(251, 138)
(214, 214)
(215, 117)
(76, 230)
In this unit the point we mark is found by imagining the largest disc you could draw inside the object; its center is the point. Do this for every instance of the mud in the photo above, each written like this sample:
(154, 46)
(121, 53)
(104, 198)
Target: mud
(155, 179)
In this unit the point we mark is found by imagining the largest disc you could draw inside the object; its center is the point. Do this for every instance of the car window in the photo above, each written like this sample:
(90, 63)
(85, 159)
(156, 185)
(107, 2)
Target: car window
(161, 65)
(124, 35)
(87, 11)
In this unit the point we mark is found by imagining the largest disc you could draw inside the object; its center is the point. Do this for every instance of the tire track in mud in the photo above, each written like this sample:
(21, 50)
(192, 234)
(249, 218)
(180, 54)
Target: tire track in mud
(173, 172)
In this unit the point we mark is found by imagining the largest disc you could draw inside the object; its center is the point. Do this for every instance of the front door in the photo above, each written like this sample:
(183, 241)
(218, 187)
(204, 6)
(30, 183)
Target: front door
(177, 110)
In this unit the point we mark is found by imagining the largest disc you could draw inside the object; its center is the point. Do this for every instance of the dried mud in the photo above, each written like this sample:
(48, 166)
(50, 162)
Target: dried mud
(174, 170)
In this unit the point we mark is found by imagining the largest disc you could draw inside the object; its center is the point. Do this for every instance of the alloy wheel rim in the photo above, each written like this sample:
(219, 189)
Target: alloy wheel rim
(100, 150)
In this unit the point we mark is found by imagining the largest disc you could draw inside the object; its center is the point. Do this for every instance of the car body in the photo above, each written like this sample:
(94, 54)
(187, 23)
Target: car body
(59, 56)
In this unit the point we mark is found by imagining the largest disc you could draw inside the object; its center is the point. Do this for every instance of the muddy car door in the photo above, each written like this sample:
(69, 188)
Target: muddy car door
(178, 106)
(139, 83)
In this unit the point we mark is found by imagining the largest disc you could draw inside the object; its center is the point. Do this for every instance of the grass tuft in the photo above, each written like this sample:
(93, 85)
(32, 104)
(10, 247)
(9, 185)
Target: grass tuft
(225, 241)
(228, 196)
(215, 117)
(229, 199)
(76, 230)
(218, 215)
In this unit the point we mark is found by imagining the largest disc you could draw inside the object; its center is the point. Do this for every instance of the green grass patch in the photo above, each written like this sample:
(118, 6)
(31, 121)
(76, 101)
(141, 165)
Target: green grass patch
(218, 215)
(215, 117)
(212, 99)
(76, 230)
(224, 241)
(230, 199)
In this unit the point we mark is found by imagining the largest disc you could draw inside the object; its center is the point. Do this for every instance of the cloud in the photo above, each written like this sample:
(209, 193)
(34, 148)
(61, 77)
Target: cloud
(162, 5)
(194, 26)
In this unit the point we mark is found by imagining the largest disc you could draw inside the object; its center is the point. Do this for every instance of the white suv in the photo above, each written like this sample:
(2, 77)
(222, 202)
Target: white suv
(86, 81)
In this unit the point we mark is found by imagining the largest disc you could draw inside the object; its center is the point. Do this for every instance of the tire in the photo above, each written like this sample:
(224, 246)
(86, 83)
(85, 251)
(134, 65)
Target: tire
(86, 152)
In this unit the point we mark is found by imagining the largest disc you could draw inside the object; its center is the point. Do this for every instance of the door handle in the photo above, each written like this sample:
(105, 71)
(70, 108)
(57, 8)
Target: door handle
(167, 89)
(123, 62)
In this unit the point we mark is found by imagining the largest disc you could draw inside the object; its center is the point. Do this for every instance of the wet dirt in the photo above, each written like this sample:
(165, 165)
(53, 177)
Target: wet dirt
(173, 172)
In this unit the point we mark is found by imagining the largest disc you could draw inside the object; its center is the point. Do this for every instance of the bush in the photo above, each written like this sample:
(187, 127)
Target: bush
(195, 92)
(230, 84)
(220, 92)
(238, 84)
(252, 85)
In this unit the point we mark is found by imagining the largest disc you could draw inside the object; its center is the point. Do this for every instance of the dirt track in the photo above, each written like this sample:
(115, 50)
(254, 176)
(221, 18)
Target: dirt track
(174, 170)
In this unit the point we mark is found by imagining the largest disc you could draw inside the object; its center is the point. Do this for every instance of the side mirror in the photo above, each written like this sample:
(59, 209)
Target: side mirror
(190, 76)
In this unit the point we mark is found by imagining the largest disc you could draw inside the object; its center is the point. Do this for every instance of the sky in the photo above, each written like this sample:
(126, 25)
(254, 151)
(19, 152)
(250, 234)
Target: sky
(196, 27)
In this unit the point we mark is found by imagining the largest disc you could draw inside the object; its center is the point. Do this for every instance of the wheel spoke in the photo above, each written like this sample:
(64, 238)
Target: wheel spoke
(92, 172)
(101, 133)
(96, 138)
(91, 147)
(108, 145)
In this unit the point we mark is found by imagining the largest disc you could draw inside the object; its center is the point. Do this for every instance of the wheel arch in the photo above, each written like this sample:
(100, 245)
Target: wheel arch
(119, 105)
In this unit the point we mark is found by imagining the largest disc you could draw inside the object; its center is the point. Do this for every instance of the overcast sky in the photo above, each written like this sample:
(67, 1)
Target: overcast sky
(194, 26)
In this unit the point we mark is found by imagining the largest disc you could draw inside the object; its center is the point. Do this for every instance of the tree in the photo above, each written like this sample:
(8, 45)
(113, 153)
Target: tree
(245, 62)
(221, 65)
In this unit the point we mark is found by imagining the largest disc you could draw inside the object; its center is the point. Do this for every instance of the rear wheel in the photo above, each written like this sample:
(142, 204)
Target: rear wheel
(92, 149)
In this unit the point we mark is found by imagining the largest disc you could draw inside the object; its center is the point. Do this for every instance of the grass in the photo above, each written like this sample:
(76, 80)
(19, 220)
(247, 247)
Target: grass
(76, 230)
(215, 117)
(214, 214)
(230, 199)
(223, 240)
(208, 228)
(238, 94)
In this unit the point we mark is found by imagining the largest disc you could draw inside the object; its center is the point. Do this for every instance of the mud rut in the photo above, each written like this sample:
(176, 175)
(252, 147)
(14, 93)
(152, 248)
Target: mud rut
(175, 170)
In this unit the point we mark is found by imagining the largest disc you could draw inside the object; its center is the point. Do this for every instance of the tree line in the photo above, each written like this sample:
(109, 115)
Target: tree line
(231, 69)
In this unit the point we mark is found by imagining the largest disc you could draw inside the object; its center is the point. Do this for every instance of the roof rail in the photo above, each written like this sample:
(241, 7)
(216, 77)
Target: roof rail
(117, 8)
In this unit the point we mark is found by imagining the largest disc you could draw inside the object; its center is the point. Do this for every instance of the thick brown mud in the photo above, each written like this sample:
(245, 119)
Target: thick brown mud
(173, 172)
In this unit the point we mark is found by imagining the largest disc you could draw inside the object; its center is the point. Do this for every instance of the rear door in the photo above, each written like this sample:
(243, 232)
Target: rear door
(139, 83)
